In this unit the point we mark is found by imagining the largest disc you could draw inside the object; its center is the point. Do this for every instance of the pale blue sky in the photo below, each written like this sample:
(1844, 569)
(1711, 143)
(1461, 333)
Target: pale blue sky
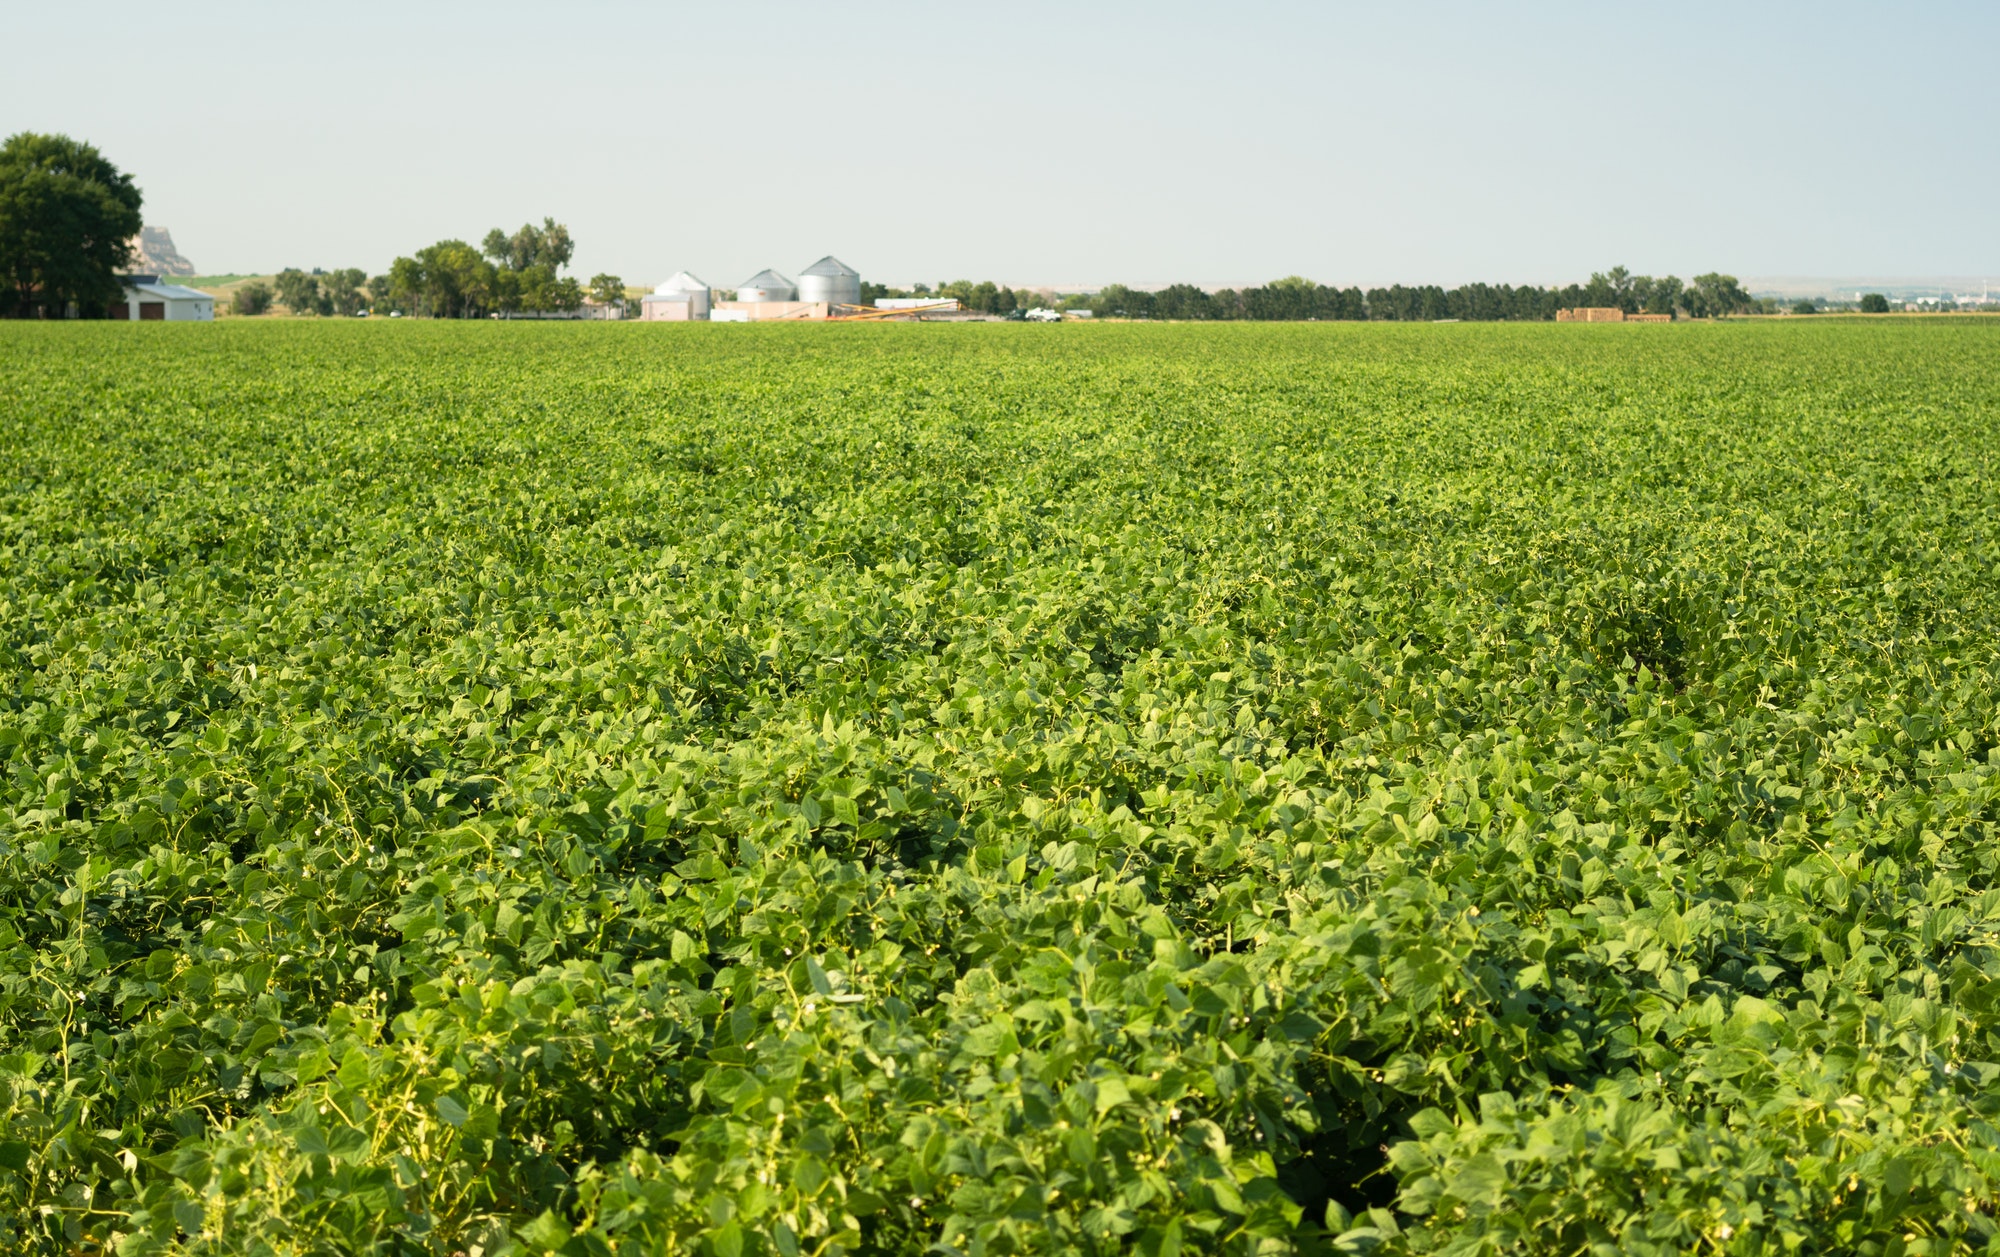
(1047, 143)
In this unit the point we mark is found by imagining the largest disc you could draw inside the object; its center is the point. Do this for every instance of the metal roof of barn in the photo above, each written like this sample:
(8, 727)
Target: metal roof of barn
(173, 292)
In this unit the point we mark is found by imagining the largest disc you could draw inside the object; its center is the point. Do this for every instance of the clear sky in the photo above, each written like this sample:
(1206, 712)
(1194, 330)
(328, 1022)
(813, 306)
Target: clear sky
(1047, 143)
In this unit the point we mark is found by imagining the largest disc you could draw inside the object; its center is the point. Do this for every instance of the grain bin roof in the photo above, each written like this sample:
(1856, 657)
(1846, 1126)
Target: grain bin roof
(683, 282)
(767, 279)
(830, 266)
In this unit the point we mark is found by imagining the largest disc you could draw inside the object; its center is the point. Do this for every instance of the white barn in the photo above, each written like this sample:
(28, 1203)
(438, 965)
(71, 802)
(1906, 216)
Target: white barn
(148, 300)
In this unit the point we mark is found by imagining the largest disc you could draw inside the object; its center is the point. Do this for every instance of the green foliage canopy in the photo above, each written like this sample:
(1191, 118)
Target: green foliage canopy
(505, 275)
(607, 289)
(254, 297)
(299, 291)
(67, 217)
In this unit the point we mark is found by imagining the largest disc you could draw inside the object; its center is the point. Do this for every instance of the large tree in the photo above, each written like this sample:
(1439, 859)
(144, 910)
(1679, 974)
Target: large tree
(67, 217)
(300, 291)
(1713, 295)
(449, 280)
(548, 245)
(343, 290)
(523, 275)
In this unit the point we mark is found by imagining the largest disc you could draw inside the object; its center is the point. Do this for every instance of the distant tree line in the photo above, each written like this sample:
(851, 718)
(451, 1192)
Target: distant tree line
(307, 292)
(518, 273)
(982, 295)
(1295, 298)
(508, 274)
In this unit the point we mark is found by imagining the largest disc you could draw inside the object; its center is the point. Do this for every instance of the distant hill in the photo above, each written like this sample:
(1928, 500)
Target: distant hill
(1849, 288)
(154, 253)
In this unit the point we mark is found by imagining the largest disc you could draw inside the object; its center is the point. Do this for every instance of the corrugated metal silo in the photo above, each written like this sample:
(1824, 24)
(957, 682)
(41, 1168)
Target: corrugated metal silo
(695, 290)
(830, 280)
(767, 286)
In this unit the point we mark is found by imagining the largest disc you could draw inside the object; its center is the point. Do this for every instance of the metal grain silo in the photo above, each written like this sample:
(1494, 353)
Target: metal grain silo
(694, 290)
(767, 286)
(830, 280)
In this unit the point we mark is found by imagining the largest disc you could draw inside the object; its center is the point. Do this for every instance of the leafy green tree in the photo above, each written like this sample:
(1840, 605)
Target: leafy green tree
(1874, 303)
(1714, 296)
(1116, 301)
(448, 280)
(537, 288)
(406, 284)
(299, 291)
(457, 282)
(509, 294)
(67, 217)
(522, 271)
(1804, 307)
(1615, 287)
(1622, 284)
(1662, 295)
(607, 289)
(343, 290)
(563, 294)
(1183, 301)
(252, 298)
(548, 245)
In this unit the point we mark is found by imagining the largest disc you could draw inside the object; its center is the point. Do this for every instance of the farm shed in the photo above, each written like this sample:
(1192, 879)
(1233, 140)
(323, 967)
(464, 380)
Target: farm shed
(766, 311)
(943, 305)
(147, 300)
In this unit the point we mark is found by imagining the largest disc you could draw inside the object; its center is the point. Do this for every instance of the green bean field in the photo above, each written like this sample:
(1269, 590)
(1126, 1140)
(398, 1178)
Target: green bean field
(493, 789)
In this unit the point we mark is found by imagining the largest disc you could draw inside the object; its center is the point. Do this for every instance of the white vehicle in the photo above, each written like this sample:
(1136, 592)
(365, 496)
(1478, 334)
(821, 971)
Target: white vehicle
(1044, 315)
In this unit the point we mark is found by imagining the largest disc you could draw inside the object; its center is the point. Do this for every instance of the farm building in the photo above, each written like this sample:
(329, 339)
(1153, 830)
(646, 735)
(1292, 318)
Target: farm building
(767, 311)
(679, 300)
(148, 300)
(821, 288)
(942, 305)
